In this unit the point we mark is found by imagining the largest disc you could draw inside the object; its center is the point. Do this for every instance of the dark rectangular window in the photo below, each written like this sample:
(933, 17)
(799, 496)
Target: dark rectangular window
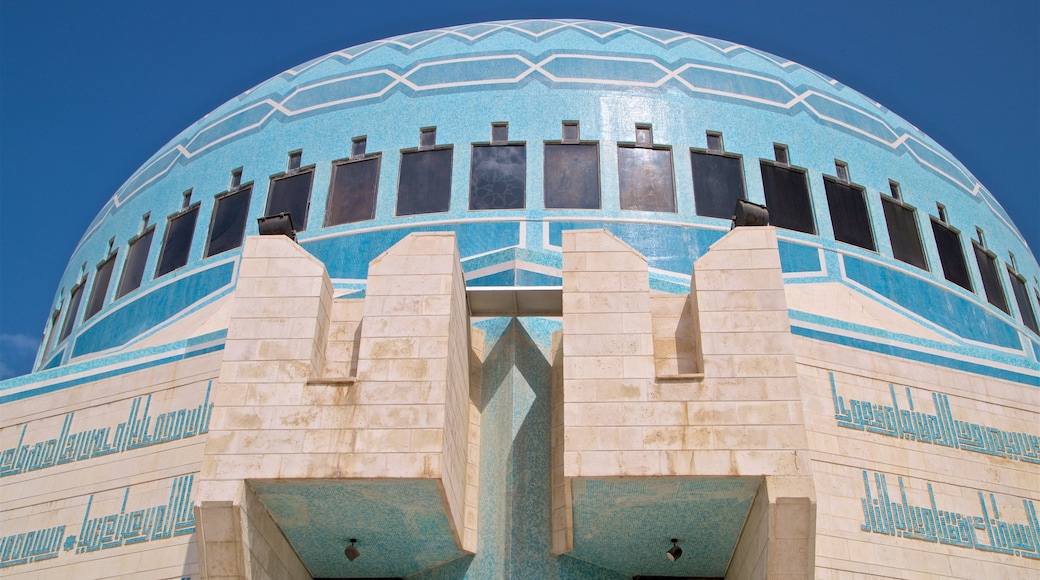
(990, 277)
(571, 131)
(841, 170)
(897, 192)
(357, 147)
(177, 244)
(352, 194)
(1025, 307)
(427, 137)
(227, 227)
(136, 258)
(644, 135)
(714, 141)
(52, 334)
(903, 232)
(645, 181)
(295, 159)
(73, 311)
(499, 133)
(498, 177)
(571, 175)
(1036, 294)
(291, 194)
(849, 215)
(951, 254)
(718, 182)
(100, 289)
(424, 184)
(787, 196)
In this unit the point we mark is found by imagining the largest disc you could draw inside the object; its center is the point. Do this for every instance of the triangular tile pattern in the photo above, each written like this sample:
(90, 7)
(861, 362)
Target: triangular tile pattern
(874, 127)
(783, 89)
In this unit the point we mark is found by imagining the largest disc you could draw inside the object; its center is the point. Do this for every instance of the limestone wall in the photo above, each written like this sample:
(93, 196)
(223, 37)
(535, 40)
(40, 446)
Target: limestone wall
(916, 466)
(314, 388)
(865, 464)
(98, 474)
(742, 416)
(413, 369)
(703, 386)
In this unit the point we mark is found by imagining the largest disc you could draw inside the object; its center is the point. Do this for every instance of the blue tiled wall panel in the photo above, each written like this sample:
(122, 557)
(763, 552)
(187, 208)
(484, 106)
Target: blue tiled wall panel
(796, 258)
(503, 278)
(152, 310)
(943, 307)
(528, 278)
(349, 257)
(667, 247)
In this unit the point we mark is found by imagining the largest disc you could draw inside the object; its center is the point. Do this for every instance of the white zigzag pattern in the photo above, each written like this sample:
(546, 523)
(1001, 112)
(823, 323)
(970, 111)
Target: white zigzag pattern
(964, 180)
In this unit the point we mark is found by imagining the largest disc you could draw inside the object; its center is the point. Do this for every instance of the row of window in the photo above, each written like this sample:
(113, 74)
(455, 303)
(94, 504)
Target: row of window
(498, 172)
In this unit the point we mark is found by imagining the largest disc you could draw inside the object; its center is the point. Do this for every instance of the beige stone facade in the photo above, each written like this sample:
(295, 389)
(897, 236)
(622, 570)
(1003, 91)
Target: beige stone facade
(317, 416)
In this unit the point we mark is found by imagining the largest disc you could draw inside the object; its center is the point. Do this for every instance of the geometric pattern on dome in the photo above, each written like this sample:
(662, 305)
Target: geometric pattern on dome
(828, 102)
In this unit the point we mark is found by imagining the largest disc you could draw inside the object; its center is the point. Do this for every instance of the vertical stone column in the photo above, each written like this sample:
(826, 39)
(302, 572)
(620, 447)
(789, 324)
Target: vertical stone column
(612, 427)
(562, 505)
(275, 341)
(698, 386)
(778, 541)
(242, 541)
(747, 420)
(472, 492)
(286, 408)
(413, 369)
(605, 423)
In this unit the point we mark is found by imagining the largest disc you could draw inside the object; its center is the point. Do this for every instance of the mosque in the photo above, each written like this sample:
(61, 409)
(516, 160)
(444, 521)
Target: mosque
(542, 299)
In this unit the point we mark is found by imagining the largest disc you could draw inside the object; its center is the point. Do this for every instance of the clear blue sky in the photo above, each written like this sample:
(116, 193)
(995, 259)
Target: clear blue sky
(88, 91)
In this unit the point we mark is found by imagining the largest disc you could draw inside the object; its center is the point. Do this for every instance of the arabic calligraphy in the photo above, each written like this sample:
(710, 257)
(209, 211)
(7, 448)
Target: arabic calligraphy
(31, 546)
(175, 518)
(939, 428)
(124, 528)
(138, 431)
(929, 523)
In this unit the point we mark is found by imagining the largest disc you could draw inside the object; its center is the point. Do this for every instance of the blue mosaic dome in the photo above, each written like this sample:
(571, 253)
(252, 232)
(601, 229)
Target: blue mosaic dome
(626, 87)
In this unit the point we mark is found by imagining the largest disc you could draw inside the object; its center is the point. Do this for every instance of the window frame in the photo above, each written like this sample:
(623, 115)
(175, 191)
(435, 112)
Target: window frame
(166, 234)
(72, 313)
(1023, 299)
(599, 172)
(144, 267)
(243, 188)
(336, 164)
(651, 146)
(298, 225)
(743, 177)
(935, 221)
(787, 166)
(95, 298)
(866, 207)
(400, 173)
(506, 143)
(897, 201)
(977, 247)
(711, 137)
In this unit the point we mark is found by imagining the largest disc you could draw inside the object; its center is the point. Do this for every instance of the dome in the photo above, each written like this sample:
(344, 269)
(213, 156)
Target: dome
(677, 104)
(536, 299)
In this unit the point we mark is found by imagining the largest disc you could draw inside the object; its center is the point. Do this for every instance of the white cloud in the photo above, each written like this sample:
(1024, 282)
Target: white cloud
(19, 342)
